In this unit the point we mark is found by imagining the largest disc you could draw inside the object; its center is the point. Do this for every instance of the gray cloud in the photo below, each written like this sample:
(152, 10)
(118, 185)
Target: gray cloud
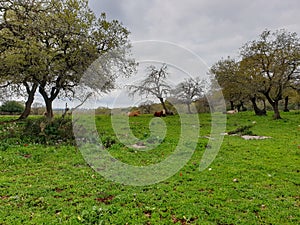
(211, 28)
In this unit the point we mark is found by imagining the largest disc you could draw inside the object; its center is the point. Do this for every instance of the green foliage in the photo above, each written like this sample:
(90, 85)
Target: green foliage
(51, 44)
(267, 68)
(44, 131)
(108, 141)
(12, 107)
(38, 130)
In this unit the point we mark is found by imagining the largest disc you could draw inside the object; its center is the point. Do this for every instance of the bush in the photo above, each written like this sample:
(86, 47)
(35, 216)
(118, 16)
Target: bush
(38, 130)
(12, 107)
(41, 130)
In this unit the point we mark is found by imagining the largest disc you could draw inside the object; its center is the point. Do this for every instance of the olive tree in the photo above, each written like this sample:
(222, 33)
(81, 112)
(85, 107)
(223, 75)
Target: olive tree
(274, 60)
(47, 45)
(236, 85)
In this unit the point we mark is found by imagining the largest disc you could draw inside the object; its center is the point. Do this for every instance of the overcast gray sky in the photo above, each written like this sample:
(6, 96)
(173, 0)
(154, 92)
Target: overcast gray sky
(211, 28)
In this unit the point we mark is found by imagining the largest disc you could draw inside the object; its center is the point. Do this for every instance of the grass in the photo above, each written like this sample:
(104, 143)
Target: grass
(249, 182)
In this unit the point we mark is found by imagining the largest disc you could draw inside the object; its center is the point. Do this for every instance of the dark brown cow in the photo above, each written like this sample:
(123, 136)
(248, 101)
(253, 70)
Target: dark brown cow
(160, 114)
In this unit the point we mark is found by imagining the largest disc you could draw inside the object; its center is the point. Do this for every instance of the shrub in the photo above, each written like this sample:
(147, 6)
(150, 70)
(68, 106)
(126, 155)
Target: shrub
(12, 107)
(44, 131)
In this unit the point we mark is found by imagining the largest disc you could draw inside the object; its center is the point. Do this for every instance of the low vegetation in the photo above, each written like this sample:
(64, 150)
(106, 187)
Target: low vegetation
(249, 182)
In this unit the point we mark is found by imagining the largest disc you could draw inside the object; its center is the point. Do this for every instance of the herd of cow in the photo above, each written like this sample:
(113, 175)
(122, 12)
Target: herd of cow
(156, 114)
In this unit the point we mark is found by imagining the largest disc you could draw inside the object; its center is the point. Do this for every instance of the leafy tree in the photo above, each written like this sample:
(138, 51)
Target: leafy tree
(189, 90)
(12, 107)
(226, 72)
(269, 68)
(154, 84)
(274, 61)
(236, 84)
(47, 45)
(20, 49)
(251, 83)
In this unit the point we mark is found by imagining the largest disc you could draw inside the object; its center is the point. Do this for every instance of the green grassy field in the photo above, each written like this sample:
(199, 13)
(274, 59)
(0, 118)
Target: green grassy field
(249, 182)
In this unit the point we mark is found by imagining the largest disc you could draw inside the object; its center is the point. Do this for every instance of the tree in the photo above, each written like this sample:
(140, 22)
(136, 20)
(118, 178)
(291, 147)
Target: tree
(239, 83)
(251, 84)
(12, 107)
(237, 86)
(154, 84)
(226, 72)
(274, 59)
(18, 57)
(189, 90)
(49, 44)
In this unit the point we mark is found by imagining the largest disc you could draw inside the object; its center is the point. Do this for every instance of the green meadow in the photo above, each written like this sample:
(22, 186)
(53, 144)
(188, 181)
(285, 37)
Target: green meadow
(249, 182)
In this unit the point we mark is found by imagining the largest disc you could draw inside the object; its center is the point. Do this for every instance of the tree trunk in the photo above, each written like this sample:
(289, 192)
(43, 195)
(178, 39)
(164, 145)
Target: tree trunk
(274, 104)
(189, 108)
(49, 110)
(286, 103)
(276, 110)
(258, 111)
(240, 107)
(231, 105)
(48, 103)
(27, 109)
(163, 105)
(28, 103)
(264, 102)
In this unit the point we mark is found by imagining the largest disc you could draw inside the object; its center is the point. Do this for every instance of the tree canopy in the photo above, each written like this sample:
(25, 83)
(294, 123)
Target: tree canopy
(47, 45)
(274, 60)
(268, 67)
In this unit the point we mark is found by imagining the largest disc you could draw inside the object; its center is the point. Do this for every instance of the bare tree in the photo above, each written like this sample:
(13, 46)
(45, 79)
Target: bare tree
(189, 90)
(155, 84)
